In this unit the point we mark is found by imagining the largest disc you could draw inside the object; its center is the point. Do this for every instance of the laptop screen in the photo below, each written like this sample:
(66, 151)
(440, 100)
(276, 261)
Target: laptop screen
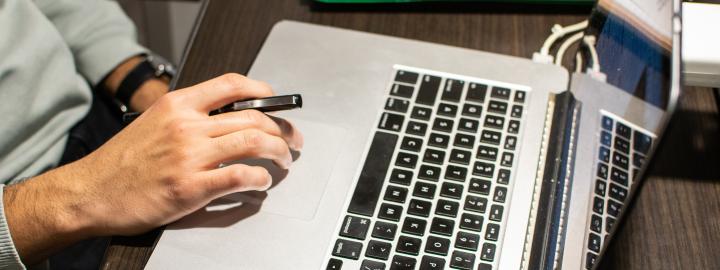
(634, 39)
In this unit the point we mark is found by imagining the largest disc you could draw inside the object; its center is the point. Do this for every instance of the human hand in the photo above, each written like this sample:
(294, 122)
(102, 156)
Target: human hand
(160, 168)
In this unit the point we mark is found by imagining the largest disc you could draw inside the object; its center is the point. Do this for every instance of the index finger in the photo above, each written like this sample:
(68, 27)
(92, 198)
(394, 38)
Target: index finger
(223, 90)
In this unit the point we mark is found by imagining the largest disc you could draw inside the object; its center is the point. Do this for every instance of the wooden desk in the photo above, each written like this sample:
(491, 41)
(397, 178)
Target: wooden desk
(676, 221)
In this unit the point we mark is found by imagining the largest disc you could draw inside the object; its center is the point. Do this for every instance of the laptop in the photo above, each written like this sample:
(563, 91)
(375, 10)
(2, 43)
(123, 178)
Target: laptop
(426, 156)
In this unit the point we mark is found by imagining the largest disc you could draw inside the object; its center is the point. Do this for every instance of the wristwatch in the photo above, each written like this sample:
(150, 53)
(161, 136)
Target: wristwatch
(151, 67)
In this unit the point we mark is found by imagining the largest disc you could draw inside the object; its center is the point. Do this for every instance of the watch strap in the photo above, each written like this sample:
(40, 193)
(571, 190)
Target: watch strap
(133, 80)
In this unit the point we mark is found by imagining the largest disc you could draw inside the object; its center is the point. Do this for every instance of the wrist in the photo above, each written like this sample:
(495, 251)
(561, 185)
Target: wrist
(150, 91)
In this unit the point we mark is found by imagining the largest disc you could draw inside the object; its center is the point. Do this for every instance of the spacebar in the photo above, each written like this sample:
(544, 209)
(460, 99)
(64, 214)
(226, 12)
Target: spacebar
(370, 184)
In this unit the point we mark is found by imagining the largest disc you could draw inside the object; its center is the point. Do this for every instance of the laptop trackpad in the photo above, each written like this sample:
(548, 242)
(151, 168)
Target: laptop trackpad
(297, 192)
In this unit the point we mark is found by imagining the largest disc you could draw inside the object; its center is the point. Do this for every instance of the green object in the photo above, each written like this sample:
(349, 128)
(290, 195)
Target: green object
(496, 1)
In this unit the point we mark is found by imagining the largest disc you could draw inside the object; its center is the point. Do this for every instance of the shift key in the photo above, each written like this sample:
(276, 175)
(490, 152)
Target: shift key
(429, 87)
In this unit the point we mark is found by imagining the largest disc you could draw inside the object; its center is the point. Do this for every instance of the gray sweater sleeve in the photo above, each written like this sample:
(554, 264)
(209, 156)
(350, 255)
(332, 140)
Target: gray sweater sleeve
(99, 34)
(9, 258)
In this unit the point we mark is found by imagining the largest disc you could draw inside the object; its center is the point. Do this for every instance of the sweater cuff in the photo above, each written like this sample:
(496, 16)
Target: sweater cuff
(9, 258)
(99, 60)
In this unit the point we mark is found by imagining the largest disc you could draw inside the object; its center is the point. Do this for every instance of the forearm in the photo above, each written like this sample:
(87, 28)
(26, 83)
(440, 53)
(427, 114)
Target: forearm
(148, 92)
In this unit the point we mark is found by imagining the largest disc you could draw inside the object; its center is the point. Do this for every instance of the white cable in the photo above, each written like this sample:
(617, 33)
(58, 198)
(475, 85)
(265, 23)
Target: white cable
(578, 62)
(568, 42)
(590, 44)
(559, 32)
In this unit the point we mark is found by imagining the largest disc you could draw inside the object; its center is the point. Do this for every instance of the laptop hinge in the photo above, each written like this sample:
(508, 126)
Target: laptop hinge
(546, 230)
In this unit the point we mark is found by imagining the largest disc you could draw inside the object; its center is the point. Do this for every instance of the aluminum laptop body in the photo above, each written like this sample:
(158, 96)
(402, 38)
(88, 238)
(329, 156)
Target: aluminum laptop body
(348, 79)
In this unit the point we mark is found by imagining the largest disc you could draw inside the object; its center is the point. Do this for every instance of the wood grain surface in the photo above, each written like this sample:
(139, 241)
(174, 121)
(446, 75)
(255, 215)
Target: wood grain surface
(674, 223)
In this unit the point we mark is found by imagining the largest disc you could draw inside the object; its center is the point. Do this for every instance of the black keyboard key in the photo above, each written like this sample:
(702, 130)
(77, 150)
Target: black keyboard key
(396, 194)
(516, 111)
(429, 87)
(497, 122)
(500, 194)
(600, 187)
(604, 154)
(520, 96)
(408, 245)
(378, 250)
(453, 90)
(439, 140)
(487, 153)
(602, 171)
(609, 223)
(369, 186)
(442, 226)
(620, 160)
(347, 249)
(414, 226)
(475, 204)
(444, 125)
(488, 252)
(490, 137)
(432, 263)
(464, 140)
(419, 208)
(476, 92)
(596, 223)
(623, 130)
(411, 144)
(447, 208)
(437, 245)
(496, 212)
(619, 176)
(465, 240)
(462, 260)
(406, 160)
(607, 123)
(492, 232)
(605, 138)
(471, 222)
(334, 264)
(460, 156)
(390, 212)
(510, 142)
(406, 77)
(416, 128)
(500, 92)
(355, 227)
(424, 190)
(372, 265)
(421, 113)
(468, 125)
(594, 242)
(428, 172)
(434, 156)
(400, 90)
(484, 266)
(400, 262)
(451, 190)
(503, 176)
(598, 205)
(590, 260)
(456, 173)
(479, 186)
(483, 169)
(497, 107)
(641, 142)
(613, 208)
(397, 105)
(507, 159)
(622, 145)
(384, 230)
(391, 121)
(445, 109)
(638, 160)
(617, 192)
(400, 176)
(472, 110)
(514, 127)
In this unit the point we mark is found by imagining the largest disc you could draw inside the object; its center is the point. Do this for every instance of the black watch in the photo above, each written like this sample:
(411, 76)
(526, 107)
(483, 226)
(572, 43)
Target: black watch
(151, 67)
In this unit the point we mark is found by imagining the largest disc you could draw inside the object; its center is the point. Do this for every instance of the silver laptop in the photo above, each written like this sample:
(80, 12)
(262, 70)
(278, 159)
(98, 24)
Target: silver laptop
(425, 156)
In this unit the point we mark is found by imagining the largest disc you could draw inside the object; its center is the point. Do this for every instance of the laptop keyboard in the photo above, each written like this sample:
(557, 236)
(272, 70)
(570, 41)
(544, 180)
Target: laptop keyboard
(433, 190)
(621, 153)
